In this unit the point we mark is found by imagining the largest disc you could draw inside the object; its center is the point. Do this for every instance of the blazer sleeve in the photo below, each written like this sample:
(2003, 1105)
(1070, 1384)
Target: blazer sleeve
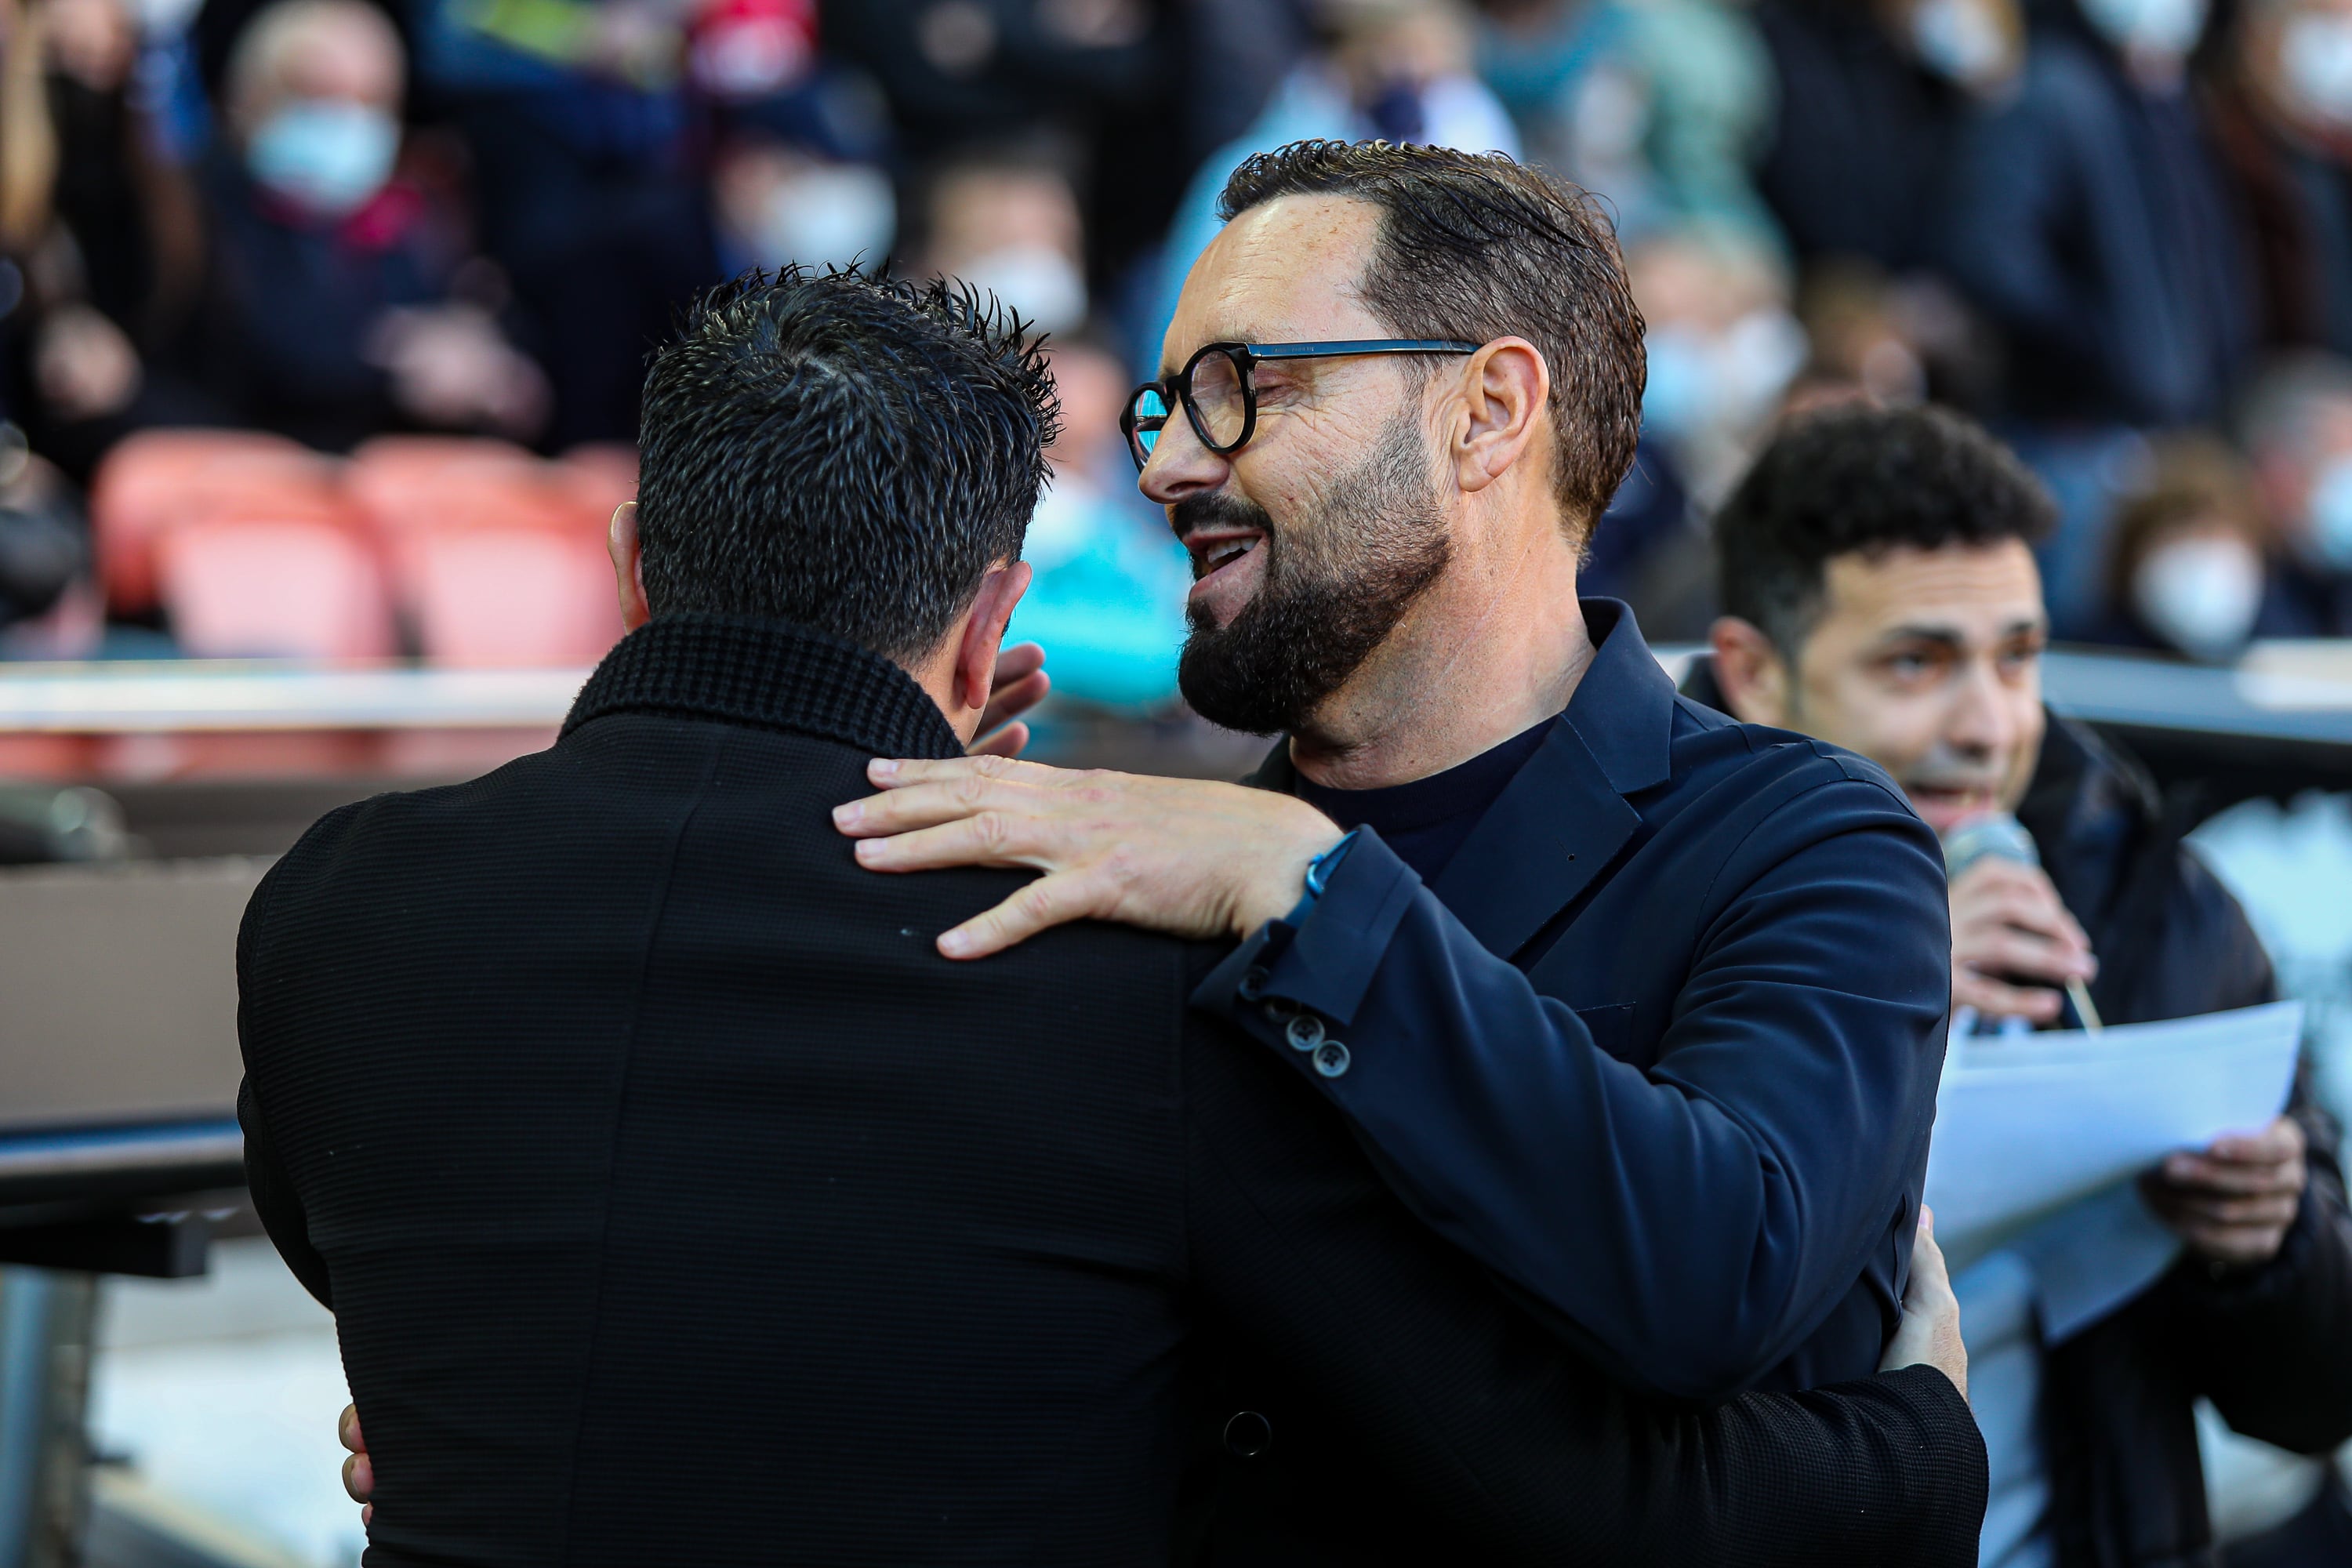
(1460, 1406)
(1694, 1221)
(275, 1201)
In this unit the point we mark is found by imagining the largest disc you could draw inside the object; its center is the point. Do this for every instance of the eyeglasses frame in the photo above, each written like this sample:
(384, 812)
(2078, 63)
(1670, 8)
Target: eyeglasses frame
(1245, 357)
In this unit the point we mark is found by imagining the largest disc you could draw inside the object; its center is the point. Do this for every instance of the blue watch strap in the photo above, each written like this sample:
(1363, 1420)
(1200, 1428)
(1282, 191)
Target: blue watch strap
(1318, 877)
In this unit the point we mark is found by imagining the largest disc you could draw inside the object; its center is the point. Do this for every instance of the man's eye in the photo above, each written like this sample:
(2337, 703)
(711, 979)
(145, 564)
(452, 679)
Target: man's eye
(1912, 666)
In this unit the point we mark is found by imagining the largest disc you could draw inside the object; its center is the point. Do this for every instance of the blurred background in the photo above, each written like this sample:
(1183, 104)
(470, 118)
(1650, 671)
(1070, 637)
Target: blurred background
(322, 324)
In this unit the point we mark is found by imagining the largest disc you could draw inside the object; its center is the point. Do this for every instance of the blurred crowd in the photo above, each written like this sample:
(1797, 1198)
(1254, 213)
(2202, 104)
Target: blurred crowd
(2119, 231)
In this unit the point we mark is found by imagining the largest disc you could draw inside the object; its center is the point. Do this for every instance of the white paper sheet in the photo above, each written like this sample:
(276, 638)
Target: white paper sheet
(2026, 1126)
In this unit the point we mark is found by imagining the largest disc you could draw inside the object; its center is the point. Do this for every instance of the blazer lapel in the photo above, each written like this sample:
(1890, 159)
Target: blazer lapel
(1556, 827)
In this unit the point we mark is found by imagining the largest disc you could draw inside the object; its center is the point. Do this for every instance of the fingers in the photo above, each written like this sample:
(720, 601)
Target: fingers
(899, 773)
(359, 1478)
(2200, 1173)
(2008, 950)
(2282, 1141)
(2266, 1211)
(996, 838)
(1928, 1271)
(1009, 742)
(1009, 700)
(1995, 1000)
(1048, 901)
(347, 1430)
(1929, 1331)
(928, 804)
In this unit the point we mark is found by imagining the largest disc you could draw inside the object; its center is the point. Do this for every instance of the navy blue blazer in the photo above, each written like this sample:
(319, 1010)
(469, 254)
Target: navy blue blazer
(1661, 1046)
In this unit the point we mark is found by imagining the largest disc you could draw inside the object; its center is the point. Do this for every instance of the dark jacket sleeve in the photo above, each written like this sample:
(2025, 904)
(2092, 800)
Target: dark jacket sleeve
(1696, 1219)
(265, 1178)
(1471, 1418)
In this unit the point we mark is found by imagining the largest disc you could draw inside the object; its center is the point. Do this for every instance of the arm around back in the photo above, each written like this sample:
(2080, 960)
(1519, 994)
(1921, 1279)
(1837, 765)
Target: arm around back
(1467, 1418)
(1697, 1218)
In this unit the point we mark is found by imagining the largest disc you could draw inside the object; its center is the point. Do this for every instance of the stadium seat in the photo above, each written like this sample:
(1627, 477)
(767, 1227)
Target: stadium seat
(272, 587)
(488, 596)
(159, 479)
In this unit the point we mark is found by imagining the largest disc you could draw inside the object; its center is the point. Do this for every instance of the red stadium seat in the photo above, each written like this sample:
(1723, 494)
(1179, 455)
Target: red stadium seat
(160, 480)
(274, 587)
(511, 595)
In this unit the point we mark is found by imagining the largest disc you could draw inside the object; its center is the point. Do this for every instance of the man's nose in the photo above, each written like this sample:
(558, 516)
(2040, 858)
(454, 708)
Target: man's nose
(1982, 722)
(1180, 465)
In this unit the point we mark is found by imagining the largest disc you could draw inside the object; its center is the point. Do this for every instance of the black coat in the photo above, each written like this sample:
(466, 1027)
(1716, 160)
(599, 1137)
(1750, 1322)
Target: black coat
(679, 1203)
(2269, 1347)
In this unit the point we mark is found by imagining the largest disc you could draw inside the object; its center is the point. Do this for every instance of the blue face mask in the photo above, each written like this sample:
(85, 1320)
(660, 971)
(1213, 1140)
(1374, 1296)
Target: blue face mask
(328, 155)
(2331, 513)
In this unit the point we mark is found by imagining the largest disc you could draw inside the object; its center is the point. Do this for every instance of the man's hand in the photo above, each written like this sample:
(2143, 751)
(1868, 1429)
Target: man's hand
(1195, 859)
(1929, 1334)
(2233, 1203)
(359, 1472)
(2007, 920)
(1020, 684)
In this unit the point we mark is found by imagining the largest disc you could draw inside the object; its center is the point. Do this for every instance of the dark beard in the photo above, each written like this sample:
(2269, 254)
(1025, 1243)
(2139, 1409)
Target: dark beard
(1336, 585)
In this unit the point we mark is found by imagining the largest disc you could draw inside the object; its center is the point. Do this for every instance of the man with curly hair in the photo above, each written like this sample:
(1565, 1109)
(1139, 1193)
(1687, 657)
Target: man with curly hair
(679, 1203)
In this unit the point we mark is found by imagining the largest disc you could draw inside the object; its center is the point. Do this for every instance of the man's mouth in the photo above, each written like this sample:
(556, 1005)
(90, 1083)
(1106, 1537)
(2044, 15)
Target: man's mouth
(1945, 805)
(1212, 553)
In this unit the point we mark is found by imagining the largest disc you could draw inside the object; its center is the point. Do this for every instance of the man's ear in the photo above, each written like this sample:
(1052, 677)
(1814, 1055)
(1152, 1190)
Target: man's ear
(1749, 667)
(983, 634)
(1504, 391)
(629, 566)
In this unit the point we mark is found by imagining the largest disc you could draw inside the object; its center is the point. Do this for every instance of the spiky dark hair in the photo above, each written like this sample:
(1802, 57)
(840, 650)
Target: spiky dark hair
(841, 450)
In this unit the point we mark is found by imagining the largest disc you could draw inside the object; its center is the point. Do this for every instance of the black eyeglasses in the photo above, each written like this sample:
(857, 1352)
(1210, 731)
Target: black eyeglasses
(1219, 389)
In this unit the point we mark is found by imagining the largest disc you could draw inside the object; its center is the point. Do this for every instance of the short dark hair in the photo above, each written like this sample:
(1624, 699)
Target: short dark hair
(842, 450)
(1858, 478)
(1475, 246)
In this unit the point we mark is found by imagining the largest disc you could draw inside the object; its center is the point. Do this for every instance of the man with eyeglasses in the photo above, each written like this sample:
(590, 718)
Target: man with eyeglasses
(1643, 1007)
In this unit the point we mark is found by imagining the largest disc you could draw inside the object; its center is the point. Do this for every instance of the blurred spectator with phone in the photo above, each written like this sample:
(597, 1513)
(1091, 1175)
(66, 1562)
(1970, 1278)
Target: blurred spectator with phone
(1880, 593)
(332, 313)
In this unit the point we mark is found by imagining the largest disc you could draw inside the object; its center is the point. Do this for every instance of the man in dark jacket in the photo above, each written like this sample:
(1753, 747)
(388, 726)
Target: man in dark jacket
(1880, 592)
(679, 1203)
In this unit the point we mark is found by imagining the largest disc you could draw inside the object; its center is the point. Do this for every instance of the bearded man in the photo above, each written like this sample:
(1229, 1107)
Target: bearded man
(1641, 1007)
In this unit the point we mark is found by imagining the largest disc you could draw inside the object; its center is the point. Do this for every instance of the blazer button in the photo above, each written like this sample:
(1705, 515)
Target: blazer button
(1331, 1059)
(1305, 1032)
(1252, 985)
(1248, 1435)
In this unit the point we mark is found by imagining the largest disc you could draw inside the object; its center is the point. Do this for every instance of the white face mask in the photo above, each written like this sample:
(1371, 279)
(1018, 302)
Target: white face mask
(1699, 381)
(1958, 39)
(326, 155)
(2315, 59)
(1037, 281)
(2158, 26)
(2201, 596)
(828, 214)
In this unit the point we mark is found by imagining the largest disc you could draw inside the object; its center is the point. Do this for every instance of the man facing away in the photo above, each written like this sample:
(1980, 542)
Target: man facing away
(679, 1203)
(1881, 593)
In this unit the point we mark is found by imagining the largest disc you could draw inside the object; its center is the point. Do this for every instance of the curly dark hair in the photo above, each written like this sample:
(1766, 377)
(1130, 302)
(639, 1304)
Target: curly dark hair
(1474, 246)
(1859, 477)
(840, 449)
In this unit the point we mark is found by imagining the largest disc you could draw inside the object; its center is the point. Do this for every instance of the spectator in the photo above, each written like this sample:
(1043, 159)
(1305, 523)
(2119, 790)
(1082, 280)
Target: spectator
(1869, 100)
(1401, 69)
(2285, 117)
(2297, 430)
(331, 312)
(1657, 103)
(2091, 219)
(102, 231)
(1008, 225)
(1879, 594)
(1107, 599)
(576, 116)
(2190, 570)
(774, 203)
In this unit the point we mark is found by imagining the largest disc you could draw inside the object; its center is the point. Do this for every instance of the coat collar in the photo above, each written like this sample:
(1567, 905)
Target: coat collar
(1563, 819)
(744, 671)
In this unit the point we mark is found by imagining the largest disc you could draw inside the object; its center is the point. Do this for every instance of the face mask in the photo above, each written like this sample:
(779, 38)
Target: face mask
(1034, 280)
(2201, 596)
(2315, 57)
(325, 154)
(2331, 513)
(1958, 39)
(2160, 27)
(832, 213)
(1698, 380)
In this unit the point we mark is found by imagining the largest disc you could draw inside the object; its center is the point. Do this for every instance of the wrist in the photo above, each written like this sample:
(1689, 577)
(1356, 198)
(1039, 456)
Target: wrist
(1279, 881)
